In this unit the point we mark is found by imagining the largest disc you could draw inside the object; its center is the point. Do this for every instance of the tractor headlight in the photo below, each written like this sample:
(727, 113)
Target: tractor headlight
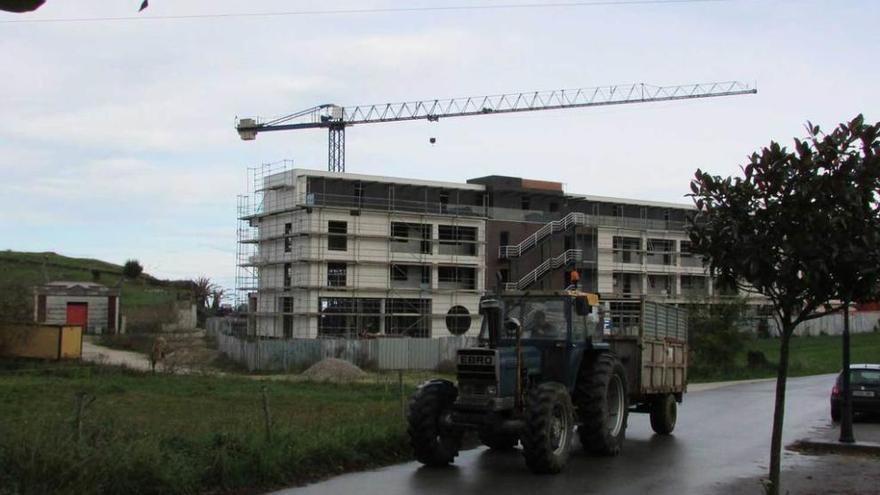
(491, 390)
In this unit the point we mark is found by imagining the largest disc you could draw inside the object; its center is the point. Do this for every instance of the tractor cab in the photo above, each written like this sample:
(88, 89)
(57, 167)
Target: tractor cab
(527, 338)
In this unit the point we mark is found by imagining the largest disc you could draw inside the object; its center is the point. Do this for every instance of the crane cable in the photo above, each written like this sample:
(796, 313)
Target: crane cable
(386, 10)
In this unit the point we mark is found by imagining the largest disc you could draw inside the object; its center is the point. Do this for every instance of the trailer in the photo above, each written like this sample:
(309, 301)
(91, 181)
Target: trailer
(651, 341)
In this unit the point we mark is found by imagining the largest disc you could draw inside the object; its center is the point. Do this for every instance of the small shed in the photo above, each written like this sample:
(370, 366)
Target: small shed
(93, 306)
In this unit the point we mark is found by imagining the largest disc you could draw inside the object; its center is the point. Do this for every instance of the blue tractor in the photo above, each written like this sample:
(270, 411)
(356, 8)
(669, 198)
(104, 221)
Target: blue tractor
(549, 368)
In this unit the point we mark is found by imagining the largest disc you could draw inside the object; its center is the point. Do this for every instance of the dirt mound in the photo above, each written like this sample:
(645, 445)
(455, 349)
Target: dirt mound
(333, 370)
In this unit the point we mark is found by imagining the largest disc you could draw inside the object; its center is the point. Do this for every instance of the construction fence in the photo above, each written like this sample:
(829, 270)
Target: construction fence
(370, 354)
(859, 322)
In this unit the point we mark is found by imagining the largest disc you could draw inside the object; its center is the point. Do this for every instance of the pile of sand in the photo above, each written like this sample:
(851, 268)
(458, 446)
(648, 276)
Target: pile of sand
(333, 370)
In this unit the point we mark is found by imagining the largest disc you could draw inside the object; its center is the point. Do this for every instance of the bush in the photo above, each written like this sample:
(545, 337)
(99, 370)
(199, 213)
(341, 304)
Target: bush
(757, 360)
(715, 336)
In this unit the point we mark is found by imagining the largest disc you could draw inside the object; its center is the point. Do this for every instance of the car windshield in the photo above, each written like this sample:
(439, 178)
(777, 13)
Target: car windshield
(541, 319)
(865, 377)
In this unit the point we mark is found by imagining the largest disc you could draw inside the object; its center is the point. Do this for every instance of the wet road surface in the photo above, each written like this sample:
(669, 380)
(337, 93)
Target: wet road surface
(721, 435)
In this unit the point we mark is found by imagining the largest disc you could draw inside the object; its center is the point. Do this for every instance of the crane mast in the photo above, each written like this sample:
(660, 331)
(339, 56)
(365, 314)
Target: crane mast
(336, 118)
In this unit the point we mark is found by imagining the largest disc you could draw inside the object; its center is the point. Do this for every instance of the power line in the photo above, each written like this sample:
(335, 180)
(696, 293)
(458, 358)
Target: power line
(387, 10)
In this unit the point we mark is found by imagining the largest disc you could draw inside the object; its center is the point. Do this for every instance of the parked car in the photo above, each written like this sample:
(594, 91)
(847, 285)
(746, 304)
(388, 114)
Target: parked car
(864, 381)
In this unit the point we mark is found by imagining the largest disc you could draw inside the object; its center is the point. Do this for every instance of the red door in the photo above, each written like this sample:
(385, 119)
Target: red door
(78, 314)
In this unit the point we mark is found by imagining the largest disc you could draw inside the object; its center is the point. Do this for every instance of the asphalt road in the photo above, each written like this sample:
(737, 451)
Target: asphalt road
(722, 435)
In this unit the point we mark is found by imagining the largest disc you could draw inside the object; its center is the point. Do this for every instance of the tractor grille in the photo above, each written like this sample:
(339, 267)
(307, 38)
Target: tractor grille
(477, 365)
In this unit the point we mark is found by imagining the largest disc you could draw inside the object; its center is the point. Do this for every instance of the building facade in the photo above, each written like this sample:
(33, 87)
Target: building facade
(622, 248)
(92, 306)
(325, 254)
(347, 255)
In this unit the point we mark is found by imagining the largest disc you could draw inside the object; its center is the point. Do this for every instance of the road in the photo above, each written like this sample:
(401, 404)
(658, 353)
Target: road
(722, 435)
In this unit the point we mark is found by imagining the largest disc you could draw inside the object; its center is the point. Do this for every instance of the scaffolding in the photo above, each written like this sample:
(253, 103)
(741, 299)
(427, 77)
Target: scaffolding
(247, 234)
(314, 258)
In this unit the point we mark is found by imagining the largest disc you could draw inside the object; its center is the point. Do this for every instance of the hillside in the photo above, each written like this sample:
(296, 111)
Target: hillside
(21, 271)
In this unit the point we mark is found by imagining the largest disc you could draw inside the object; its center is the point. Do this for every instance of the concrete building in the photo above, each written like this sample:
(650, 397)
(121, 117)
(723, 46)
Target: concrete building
(93, 306)
(622, 248)
(340, 254)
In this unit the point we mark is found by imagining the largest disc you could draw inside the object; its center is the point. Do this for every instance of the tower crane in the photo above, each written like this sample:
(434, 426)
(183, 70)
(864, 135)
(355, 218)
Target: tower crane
(336, 118)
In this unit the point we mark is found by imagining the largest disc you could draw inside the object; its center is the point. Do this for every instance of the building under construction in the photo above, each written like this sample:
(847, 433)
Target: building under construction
(332, 254)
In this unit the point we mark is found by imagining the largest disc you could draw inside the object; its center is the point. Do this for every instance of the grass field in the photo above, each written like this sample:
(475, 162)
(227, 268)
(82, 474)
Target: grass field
(185, 434)
(809, 356)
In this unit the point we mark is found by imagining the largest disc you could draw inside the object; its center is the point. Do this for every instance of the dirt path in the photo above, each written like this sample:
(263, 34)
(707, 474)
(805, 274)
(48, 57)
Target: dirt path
(104, 355)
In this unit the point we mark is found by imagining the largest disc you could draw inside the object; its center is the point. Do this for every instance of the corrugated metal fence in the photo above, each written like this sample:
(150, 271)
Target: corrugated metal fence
(859, 322)
(380, 354)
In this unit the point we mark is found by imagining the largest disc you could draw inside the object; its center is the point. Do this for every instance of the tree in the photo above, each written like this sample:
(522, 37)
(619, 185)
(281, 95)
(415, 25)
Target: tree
(202, 290)
(132, 269)
(217, 296)
(785, 230)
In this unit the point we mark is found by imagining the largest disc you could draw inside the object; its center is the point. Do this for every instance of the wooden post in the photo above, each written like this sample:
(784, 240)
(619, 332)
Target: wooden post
(82, 400)
(267, 417)
(400, 390)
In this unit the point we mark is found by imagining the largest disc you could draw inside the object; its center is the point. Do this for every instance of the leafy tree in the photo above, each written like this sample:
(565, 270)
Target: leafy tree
(217, 296)
(797, 228)
(202, 290)
(132, 269)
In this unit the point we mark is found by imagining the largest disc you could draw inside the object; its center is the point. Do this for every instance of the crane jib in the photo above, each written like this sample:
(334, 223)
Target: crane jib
(336, 118)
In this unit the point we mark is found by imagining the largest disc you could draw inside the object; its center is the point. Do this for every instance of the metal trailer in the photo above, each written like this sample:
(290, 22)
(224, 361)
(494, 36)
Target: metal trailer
(650, 338)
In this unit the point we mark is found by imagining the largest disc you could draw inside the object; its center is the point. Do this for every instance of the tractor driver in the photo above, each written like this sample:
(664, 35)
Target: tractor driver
(540, 327)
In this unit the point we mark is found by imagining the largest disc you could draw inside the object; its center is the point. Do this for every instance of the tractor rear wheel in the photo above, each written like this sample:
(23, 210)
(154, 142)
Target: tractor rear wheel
(664, 412)
(549, 428)
(602, 404)
(433, 444)
(498, 441)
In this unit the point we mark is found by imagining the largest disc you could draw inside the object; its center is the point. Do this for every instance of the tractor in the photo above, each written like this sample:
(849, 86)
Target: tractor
(551, 365)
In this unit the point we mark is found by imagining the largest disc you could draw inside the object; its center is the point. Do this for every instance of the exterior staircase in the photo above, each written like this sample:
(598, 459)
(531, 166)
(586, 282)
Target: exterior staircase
(552, 263)
(561, 225)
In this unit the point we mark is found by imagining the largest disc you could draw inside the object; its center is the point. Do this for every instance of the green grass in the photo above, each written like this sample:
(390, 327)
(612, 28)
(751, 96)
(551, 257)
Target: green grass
(186, 434)
(808, 356)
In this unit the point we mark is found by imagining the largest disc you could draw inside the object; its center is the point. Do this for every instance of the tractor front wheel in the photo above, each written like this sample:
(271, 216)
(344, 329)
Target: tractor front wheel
(432, 443)
(549, 428)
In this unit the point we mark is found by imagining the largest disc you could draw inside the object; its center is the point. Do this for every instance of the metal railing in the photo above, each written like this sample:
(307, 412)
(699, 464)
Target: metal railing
(570, 256)
(550, 228)
(389, 204)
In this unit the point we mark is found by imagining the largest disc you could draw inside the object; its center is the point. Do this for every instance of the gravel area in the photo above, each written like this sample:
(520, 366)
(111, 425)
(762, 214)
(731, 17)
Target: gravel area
(333, 370)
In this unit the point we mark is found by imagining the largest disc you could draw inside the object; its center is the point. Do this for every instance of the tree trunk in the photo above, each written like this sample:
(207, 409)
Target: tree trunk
(779, 410)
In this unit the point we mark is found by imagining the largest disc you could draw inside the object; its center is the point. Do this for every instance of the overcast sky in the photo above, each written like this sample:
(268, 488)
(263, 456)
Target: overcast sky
(117, 137)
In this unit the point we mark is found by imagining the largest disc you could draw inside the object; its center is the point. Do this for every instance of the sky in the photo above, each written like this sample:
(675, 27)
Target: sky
(117, 139)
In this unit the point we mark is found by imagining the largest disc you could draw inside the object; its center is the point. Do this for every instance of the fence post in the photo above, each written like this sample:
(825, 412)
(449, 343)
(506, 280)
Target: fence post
(82, 401)
(267, 417)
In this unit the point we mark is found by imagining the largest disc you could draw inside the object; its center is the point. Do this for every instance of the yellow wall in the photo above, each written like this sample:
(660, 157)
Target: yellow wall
(71, 342)
(41, 341)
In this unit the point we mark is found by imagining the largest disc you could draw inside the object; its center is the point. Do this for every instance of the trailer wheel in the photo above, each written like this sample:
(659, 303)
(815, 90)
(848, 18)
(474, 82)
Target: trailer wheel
(602, 404)
(549, 427)
(498, 441)
(433, 444)
(664, 412)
